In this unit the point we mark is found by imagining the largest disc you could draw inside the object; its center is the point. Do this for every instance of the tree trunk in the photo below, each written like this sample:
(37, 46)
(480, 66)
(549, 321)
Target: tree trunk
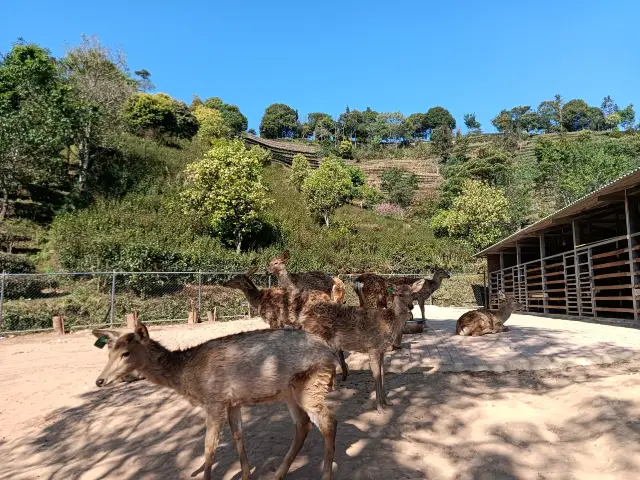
(238, 243)
(5, 203)
(85, 158)
(326, 219)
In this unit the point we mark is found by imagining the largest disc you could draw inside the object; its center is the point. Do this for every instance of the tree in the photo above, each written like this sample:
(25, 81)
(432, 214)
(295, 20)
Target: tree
(100, 83)
(225, 189)
(36, 120)
(358, 178)
(399, 186)
(159, 115)
(479, 216)
(300, 170)
(345, 149)
(327, 188)
(439, 116)
(416, 125)
(471, 123)
(212, 125)
(550, 115)
(578, 115)
(320, 125)
(233, 118)
(279, 121)
(442, 141)
(627, 117)
(517, 120)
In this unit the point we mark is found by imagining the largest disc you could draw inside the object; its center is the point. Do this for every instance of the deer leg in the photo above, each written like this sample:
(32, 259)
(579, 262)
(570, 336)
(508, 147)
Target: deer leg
(374, 361)
(303, 427)
(234, 416)
(343, 365)
(322, 416)
(385, 400)
(421, 302)
(211, 439)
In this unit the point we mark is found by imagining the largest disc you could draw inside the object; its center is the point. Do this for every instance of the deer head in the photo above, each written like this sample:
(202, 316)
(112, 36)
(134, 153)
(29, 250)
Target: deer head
(242, 281)
(278, 264)
(403, 294)
(128, 353)
(441, 273)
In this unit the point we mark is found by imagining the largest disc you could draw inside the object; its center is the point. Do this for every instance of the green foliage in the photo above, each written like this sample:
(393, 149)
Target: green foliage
(225, 190)
(369, 196)
(212, 125)
(328, 187)
(578, 115)
(356, 175)
(439, 117)
(442, 141)
(279, 121)
(320, 125)
(300, 170)
(232, 117)
(416, 125)
(399, 186)
(472, 124)
(479, 216)
(159, 115)
(389, 127)
(345, 149)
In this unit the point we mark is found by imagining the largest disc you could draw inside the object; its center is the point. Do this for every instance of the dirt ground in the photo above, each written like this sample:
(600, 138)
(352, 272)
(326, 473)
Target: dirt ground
(577, 423)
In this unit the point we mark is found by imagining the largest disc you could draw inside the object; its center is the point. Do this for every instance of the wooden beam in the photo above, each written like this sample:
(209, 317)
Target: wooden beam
(612, 197)
(543, 265)
(631, 215)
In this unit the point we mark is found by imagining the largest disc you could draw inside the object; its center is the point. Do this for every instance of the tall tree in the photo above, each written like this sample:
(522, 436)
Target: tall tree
(578, 115)
(159, 115)
(327, 188)
(550, 115)
(231, 114)
(279, 121)
(442, 141)
(416, 125)
(472, 124)
(101, 83)
(439, 116)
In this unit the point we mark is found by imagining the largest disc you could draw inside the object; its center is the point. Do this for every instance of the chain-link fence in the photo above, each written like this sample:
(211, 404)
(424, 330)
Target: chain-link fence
(28, 302)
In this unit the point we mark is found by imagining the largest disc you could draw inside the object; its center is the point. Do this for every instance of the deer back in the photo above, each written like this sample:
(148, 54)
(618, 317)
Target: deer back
(477, 321)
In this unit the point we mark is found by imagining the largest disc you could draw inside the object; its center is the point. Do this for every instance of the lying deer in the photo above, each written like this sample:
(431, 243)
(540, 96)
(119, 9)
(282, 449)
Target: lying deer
(302, 281)
(484, 321)
(280, 307)
(372, 290)
(221, 375)
(363, 330)
(110, 337)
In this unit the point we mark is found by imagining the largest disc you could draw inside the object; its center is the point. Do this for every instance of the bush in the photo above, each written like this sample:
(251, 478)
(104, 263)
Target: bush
(345, 149)
(327, 188)
(399, 186)
(300, 170)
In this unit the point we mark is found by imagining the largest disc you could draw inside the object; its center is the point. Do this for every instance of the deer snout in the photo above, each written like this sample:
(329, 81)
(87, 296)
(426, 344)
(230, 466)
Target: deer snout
(100, 382)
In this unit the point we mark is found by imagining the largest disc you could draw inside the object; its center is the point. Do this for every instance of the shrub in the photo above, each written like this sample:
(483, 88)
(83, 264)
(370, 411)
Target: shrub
(327, 188)
(300, 170)
(345, 149)
(399, 186)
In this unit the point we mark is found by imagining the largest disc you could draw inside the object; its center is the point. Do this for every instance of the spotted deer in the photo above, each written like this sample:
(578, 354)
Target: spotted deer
(221, 375)
(484, 321)
(365, 330)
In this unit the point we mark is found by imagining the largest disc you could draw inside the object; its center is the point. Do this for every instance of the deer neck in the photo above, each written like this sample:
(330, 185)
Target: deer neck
(504, 312)
(165, 367)
(253, 294)
(284, 281)
(400, 312)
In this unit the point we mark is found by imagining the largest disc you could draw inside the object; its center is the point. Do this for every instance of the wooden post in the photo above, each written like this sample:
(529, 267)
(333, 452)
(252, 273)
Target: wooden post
(543, 272)
(132, 320)
(193, 317)
(210, 317)
(631, 216)
(58, 324)
(575, 228)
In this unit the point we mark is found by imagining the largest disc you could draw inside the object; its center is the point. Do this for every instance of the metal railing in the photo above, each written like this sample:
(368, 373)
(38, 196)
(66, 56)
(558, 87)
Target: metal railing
(28, 302)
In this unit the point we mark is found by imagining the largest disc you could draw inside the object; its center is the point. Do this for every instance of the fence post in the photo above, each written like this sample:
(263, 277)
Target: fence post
(268, 280)
(113, 297)
(199, 291)
(4, 274)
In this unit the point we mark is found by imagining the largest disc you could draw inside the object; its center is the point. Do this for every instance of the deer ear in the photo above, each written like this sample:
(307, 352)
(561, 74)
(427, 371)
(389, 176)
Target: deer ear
(142, 332)
(251, 271)
(285, 255)
(417, 286)
(111, 336)
(501, 295)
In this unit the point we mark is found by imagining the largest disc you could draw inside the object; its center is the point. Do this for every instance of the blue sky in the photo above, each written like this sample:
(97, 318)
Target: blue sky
(467, 56)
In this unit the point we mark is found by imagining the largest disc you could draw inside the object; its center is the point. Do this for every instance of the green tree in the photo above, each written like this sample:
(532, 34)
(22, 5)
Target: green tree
(327, 188)
(225, 189)
(550, 115)
(517, 120)
(479, 216)
(440, 117)
(399, 186)
(320, 125)
(578, 115)
(212, 125)
(159, 115)
(36, 120)
(279, 121)
(300, 170)
(231, 115)
(442, 141)
(101, 83)
(416, 125)
(345, 149)
(472, 124)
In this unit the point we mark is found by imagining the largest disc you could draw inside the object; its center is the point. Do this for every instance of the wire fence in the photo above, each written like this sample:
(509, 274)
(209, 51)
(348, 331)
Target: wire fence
(29, 302)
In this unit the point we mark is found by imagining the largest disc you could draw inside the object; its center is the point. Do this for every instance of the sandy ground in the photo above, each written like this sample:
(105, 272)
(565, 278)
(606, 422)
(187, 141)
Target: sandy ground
(576, 423)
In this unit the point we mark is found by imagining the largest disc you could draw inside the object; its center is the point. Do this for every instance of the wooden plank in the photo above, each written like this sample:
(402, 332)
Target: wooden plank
(602, 309)
(613, 275)
(535, 284)
(535, 276)
(556, 290)
(533, 269)
(614, 298)
(553, 265)
(612, 287)
(611, 264)
(610, 254)
(555, 281)
(553, 274)
(556, 307)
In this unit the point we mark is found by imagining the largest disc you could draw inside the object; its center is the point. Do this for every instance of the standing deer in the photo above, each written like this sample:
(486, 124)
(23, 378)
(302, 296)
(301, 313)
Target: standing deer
(302, 281)
(280, 307)
(221, 375)
(111, 336)
(484, 321)
(364, 330)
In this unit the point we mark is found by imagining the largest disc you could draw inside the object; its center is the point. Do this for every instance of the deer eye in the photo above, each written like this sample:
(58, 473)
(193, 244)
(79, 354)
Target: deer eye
(125, 355)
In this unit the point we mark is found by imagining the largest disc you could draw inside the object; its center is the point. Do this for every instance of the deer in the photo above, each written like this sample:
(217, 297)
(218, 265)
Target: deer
(365, 330)
(302, 281)
(221, 375)
(110, 336)
(372, 290)
(484, 321)
(281, 308)
(338, 291)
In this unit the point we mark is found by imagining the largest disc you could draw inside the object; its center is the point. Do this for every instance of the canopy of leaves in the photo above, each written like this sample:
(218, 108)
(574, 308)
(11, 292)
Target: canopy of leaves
(279, 121)
(327, 188)
(233, 118)
(578, 115)
(471, 122)
(440, 117)
(399, 186)
(300, 170)
(416, 125)
(159, 115)
(226, 191)
(479, 216)
(442, 141)
(212, 125)
(345, 149)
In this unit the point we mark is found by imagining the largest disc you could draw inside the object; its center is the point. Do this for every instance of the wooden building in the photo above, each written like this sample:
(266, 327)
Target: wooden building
(583, 260)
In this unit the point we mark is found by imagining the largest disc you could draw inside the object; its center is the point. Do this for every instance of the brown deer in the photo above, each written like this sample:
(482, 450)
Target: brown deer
(364, 330)
(221, 375)
(484, 321)
(112, 336)
(280, 307)
(337, 291)
(302, 281)
(372, 290)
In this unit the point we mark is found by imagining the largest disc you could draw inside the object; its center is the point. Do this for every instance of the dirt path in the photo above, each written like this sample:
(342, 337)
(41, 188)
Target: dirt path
(577, 423)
